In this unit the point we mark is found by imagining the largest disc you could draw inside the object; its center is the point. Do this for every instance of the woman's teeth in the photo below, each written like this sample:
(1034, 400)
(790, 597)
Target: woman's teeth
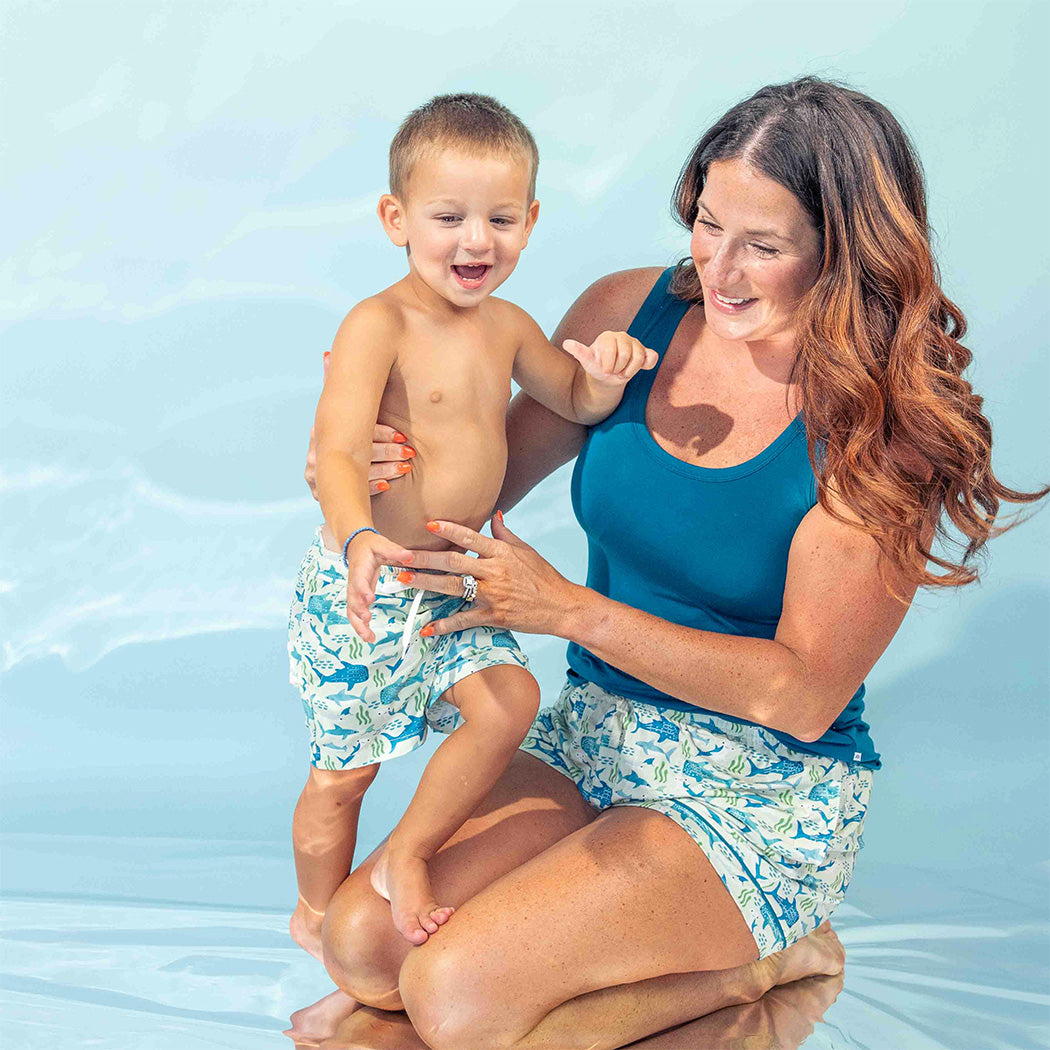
(729, 302)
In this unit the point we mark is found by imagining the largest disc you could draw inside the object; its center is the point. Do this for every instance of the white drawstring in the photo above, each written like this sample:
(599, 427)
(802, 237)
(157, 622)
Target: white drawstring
(413, 612)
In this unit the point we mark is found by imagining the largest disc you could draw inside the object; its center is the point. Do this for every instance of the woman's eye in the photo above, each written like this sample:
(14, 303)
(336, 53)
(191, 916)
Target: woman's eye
(709, 226)
(766, 253)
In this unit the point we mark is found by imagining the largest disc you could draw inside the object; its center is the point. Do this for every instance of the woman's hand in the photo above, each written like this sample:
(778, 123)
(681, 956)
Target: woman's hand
(391, 459)
(390, 455)
(517, 588)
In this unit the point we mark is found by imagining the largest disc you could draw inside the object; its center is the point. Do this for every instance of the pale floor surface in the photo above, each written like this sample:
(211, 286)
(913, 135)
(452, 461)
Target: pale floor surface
(122, 963)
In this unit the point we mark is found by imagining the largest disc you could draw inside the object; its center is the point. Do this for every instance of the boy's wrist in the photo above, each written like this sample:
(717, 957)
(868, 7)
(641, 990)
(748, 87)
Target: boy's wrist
(597, 399)
(363, 530)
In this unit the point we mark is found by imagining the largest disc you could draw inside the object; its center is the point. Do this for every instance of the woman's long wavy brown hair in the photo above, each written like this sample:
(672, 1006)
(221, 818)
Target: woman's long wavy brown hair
(894, 430)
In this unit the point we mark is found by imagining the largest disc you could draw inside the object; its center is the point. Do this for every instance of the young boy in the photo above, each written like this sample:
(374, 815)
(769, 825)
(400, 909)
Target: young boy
(433, 356)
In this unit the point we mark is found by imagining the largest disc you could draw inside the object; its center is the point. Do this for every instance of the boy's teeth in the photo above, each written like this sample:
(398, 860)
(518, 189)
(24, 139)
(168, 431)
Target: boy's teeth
(470, 272)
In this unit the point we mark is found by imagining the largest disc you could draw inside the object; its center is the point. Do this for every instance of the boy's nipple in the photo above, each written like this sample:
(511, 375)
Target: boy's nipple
(435, 396)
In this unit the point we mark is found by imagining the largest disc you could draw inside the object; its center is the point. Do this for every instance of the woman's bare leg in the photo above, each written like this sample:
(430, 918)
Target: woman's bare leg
(530, 808)
(324, 833)
(498, 705)
(618, 931)
(782, 1018)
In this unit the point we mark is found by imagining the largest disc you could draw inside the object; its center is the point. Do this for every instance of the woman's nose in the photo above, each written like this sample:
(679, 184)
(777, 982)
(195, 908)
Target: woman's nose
(722, 268)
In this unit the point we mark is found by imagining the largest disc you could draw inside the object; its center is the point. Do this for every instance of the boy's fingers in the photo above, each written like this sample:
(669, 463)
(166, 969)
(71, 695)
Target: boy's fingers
(583, 353)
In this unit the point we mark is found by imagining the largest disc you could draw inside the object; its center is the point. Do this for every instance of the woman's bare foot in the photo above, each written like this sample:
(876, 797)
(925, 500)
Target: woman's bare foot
(405, 882)
(305, 928)
(819, 953)
(313, 1024)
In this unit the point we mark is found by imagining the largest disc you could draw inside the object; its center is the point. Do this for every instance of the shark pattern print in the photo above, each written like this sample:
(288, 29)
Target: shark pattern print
(781, 828)
(365, 702)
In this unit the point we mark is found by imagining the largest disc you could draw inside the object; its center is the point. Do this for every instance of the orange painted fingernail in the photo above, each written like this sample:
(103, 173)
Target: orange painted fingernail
(427, 631)
(408, 452)
(499, 514)
(404, 577)
(398, 436)
(404, 468)
(433, 526)
(382, 486)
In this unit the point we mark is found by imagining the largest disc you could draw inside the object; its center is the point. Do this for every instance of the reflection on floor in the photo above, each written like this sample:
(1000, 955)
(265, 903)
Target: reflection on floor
(928, 968)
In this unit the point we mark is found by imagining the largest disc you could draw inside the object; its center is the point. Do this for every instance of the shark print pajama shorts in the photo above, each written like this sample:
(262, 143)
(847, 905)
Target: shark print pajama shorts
(782, 828)
(367, 702)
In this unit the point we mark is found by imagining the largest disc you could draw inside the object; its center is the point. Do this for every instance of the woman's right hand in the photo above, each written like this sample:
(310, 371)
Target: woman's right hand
(391, 456)
(391, 459)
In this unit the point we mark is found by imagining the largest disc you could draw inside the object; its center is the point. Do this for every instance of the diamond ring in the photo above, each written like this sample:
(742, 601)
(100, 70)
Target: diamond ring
(470, 588)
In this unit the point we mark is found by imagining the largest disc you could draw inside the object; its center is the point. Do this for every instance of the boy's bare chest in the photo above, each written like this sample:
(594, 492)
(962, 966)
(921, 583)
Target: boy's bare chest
(455, 379)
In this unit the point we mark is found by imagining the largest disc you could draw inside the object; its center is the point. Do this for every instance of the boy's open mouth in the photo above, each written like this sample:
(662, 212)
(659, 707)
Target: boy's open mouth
(471, 276)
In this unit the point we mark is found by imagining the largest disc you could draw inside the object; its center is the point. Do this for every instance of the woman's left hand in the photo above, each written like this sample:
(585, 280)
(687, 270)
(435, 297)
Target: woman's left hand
(517, 588)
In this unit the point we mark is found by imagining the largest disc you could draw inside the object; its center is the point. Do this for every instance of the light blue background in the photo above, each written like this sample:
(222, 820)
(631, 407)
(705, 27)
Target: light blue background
(189, 194)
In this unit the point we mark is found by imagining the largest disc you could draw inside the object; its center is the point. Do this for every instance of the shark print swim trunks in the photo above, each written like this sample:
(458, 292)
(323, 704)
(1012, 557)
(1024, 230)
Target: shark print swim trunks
(782, 828)
(367, 702)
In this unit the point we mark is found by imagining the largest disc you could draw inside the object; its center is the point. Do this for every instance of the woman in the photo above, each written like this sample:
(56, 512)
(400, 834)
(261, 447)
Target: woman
(677, 829)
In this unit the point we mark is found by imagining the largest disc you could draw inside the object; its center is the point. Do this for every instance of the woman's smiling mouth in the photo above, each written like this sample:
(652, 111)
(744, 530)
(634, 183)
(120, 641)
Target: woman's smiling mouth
(730, 304)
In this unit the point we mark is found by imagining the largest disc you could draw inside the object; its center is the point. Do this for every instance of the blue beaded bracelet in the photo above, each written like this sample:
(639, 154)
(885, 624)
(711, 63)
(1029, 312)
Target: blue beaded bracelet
(364, 528)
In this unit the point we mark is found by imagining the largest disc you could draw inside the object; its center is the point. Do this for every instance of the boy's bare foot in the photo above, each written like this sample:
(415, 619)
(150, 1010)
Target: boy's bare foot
(405, 882)
(305, 928)
(819, 953)
(313, 1024)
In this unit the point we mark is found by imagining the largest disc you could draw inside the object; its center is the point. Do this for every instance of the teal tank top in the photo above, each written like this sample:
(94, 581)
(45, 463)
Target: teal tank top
(699, 546)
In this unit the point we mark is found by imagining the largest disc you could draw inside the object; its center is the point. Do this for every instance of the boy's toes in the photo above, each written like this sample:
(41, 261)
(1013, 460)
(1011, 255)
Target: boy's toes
(442, 915)
(410, 929)
(427, 922)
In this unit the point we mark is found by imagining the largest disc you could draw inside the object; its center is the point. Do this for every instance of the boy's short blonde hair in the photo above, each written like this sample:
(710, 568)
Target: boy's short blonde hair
(475, 123)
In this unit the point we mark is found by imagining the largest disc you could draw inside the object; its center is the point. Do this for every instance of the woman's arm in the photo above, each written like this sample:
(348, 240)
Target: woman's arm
(837, 619)
(538, 440)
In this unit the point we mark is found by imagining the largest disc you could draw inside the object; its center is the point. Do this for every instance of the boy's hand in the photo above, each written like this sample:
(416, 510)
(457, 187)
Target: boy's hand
(367, 551)
(613, 358)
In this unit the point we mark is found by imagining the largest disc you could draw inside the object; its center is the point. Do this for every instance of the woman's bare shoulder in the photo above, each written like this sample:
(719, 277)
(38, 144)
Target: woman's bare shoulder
(608, 305)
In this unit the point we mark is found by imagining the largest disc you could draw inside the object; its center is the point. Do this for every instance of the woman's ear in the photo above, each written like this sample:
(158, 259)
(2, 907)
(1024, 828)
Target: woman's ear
(391, 214)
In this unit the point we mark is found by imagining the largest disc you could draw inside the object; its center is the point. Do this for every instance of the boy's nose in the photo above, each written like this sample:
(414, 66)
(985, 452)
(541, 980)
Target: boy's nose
(477, 237)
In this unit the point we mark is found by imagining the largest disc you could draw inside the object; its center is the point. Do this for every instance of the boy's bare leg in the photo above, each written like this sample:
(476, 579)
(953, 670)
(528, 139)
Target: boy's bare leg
(498, 704)
(311, 1025)
(371, 1029)
(324, 833)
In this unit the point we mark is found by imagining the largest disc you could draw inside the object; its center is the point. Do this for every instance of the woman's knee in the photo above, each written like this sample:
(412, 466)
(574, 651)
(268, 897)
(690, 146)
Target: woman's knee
(451, 1001)
(362, 949)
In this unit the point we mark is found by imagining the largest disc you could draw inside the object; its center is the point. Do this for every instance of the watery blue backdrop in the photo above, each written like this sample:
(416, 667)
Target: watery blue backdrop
(188, 213)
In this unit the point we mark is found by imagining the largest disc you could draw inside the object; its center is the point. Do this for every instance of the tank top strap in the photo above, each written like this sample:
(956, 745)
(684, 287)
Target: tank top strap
(655, 323)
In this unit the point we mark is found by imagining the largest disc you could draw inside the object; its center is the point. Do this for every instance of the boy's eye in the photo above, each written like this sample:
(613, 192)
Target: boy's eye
(500, 221)
(447, 219)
